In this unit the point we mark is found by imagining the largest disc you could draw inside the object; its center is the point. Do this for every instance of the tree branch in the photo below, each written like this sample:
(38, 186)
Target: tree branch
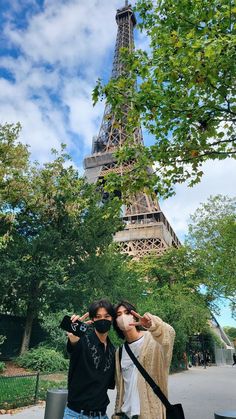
(200, 156)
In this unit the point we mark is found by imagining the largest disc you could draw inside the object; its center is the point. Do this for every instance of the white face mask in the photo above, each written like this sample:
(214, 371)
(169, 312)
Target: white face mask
(124, 320)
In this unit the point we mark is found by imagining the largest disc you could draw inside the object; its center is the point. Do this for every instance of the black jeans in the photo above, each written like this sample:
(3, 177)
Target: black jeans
(124, 416)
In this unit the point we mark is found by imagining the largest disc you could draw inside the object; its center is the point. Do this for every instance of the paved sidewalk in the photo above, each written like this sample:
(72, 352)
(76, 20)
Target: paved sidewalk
(204, 391)
(35, 412)
(201, 391)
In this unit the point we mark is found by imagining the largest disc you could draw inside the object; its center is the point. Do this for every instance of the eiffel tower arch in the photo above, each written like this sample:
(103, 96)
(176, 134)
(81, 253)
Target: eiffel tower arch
(146, 227)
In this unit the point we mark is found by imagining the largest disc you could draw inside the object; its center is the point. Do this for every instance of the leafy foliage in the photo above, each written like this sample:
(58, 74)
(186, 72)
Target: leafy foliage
(186, 91)
(110, 276)
(61, 255)
(231, 332)
(13, 175)
(171, 291)
(59, 232)
(43, 359)
(212, 235)
(56, 336)
(2, 366)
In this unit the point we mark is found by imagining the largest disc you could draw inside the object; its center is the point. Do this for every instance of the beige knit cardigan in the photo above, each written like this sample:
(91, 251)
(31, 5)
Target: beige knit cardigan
(155, 356)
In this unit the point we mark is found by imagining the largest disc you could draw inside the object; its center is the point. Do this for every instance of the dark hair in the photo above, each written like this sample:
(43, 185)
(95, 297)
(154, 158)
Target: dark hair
(128, 307)
(93, 308)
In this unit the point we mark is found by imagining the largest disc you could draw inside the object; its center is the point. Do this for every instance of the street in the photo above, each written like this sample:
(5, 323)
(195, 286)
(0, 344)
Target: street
(201, 391)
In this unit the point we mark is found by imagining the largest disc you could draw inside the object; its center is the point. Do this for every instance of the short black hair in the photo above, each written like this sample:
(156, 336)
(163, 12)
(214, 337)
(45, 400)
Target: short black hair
(128, 307)
(103, 303)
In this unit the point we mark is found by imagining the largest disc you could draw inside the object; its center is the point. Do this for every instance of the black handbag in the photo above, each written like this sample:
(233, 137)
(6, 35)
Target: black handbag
(173, 411)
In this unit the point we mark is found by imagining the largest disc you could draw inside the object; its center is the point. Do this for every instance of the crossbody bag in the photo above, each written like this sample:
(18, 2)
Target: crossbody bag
(173, 411)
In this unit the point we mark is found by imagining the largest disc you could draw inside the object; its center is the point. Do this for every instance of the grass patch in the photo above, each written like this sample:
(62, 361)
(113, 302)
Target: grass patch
(44, 385)
(18, 391)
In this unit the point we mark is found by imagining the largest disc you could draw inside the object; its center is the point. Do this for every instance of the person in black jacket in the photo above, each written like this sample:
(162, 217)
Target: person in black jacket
(234, 359)
(92, 364)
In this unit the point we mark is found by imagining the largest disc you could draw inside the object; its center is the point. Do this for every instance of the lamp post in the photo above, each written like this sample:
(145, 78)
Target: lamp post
(203, 350)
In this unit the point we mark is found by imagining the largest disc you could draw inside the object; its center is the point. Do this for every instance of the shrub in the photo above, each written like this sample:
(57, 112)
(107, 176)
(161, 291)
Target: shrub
(43, 359)
(2, 366)
(2, 339)
(56, 336)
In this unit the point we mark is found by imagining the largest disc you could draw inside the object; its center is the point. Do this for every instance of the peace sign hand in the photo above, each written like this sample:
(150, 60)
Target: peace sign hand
(75, 317)
(144, 321)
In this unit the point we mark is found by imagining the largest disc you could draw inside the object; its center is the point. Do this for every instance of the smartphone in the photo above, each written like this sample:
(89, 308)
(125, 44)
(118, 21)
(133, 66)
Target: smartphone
(77, 328)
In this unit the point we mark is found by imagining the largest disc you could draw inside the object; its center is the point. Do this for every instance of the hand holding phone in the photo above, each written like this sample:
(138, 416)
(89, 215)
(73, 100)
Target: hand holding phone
(76, 327)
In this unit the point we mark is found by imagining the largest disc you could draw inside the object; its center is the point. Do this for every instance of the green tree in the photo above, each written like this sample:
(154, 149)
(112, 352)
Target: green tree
(173, 266)
(212, 232)
(59, 233)
(108, 275)
(231, 332)
(14, 161)
(171, 290)
(186, 90)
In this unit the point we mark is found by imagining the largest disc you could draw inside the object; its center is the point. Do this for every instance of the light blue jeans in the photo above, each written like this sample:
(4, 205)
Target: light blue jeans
(71, 414)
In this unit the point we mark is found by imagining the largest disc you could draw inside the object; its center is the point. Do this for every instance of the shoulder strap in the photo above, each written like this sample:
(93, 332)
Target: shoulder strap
(147, 377)
(120, 353)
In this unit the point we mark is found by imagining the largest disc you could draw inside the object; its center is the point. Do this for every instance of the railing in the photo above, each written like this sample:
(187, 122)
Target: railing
(149, 218)
(27, 389)
(19, 390)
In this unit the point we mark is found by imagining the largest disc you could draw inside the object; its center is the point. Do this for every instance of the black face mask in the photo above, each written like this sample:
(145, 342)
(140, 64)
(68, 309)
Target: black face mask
(102, 326)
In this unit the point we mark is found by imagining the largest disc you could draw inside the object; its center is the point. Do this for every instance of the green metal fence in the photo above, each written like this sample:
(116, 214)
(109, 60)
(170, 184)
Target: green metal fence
(18, 390)
(25, 390)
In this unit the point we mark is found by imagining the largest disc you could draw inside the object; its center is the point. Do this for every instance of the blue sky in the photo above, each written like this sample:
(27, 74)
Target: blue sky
(51, 54)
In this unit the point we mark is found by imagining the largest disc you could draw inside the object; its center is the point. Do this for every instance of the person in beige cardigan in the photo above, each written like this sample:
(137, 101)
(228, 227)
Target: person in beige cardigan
(151, 340)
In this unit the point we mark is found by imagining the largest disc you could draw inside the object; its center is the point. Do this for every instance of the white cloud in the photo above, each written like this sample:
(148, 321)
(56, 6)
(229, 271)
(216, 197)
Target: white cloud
(142, 41)
(83, 117)
(71, 34)
(219, 178)
(42, 124)
(62, 53)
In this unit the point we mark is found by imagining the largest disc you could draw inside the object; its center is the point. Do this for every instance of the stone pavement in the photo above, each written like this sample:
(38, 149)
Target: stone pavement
(204, 391)
(201, 391)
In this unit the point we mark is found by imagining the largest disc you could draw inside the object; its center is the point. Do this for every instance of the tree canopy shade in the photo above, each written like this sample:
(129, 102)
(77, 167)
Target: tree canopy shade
(186, 89)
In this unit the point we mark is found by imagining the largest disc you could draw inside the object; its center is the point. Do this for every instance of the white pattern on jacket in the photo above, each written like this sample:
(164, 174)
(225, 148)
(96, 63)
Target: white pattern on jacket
(155, 356)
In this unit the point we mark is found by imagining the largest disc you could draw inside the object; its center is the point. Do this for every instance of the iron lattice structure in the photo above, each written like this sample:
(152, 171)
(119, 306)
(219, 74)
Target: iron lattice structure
(146, 228)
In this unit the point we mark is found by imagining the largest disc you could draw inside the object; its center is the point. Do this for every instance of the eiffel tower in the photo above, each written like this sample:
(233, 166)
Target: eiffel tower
(146, 227)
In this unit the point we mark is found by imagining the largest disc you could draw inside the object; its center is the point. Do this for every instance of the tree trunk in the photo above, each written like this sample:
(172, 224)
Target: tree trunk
(31, 314)
(27, 330)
